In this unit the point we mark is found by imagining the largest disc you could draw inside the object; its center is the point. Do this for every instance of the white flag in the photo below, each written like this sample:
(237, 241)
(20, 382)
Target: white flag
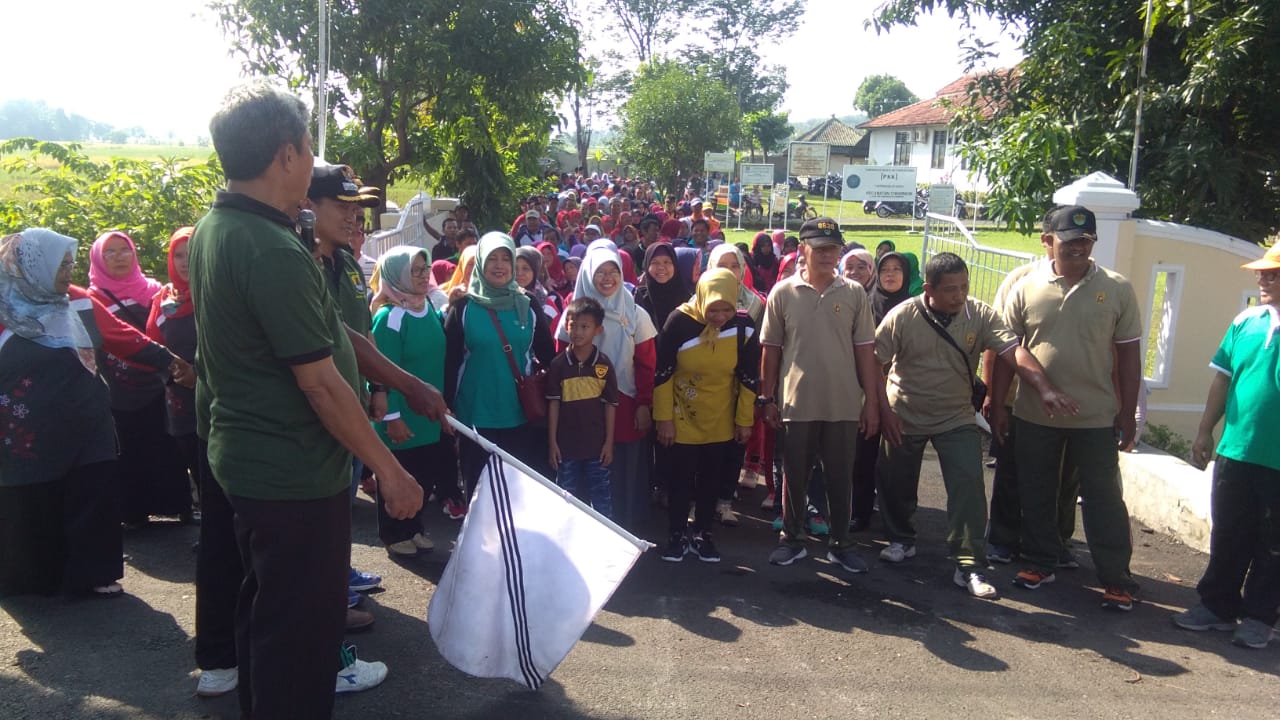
(531, 569)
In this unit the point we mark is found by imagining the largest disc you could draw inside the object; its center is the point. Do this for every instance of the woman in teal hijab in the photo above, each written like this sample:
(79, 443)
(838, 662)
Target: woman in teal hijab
(478, 381)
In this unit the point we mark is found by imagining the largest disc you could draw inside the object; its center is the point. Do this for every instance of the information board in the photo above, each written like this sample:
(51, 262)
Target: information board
(778, 198)
(718, 162)
(942, 199)
(756, 174)
(805, 159)
(879, 182)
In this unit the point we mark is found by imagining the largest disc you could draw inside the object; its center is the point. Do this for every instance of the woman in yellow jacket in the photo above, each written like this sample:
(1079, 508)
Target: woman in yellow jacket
(708, 370)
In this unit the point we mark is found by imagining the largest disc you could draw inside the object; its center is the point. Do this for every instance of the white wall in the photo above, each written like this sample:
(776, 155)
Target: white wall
(881, 153)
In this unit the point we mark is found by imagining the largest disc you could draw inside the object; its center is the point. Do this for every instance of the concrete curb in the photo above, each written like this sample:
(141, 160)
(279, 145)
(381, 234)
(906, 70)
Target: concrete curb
(1168, 495)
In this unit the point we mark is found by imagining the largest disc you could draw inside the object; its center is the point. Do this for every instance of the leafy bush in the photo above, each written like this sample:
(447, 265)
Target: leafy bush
(82, 198)
(1163, 438)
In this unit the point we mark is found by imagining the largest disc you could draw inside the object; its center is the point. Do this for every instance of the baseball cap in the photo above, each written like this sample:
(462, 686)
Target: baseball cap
(1270, 261)
(339, 183)
(1074, 222)
(533, 214)
(821, 231)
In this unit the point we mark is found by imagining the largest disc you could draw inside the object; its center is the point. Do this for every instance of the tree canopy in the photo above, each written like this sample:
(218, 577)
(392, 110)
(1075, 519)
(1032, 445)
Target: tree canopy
(462, 92)
(879, 94)
(673, 117)
(1210, 131)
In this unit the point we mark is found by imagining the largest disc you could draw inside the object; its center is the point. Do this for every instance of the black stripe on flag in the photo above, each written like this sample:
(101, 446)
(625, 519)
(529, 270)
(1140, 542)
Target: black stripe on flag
(514, 567)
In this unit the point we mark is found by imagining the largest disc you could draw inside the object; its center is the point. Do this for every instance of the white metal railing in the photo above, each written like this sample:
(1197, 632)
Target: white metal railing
(988, 266)
(409, 230)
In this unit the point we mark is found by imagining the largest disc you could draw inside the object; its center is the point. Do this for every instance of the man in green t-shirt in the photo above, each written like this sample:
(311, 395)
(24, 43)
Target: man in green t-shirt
(278, 408)
(1242, 580)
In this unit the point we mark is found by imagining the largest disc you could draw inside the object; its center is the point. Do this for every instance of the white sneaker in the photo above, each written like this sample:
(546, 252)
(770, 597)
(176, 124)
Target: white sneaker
(748, 479)
(213, 683)
(975, 583)
(423, 542)
(897, 552)
(767, 503)
(725, 513)
(360, 675)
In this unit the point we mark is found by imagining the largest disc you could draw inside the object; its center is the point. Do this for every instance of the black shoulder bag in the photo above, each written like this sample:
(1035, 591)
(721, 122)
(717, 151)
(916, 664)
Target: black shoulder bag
(978, 388)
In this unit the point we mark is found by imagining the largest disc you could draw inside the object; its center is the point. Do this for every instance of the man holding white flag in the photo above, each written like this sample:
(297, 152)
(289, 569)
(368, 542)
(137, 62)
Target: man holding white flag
(531, 569)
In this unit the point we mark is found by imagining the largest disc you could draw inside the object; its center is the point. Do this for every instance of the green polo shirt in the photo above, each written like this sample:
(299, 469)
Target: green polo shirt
(1071, 330)
(263, 308)
(1250, 356)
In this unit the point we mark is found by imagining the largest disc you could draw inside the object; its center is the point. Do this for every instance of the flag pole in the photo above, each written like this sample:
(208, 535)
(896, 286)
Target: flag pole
(486, 445)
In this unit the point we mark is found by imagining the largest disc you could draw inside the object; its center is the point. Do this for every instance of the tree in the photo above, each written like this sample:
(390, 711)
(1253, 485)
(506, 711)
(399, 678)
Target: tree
(769, 131)
(647, 25)
(666, 127)
(879, 94)
(81, 198)
(422, 93)
(1210, 139)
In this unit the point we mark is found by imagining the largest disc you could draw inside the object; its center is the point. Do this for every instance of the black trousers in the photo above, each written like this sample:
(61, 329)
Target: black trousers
(730, 468)
(219, 573)
(528, 444)
(695, 475)
(434, 466)
(1244, 545)
(153, 480)
(863, 498)
(290, 616)
(61, 535)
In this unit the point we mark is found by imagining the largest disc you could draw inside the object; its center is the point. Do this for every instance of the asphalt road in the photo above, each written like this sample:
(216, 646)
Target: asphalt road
(741, 639)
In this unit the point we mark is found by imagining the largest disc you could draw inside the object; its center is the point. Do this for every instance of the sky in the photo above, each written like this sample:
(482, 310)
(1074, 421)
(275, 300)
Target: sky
(165, 64)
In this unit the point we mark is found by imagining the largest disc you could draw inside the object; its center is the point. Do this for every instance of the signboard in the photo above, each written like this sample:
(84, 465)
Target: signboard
(879, 182)
(942, 199)
(756, 174)
(718, 162)
(778, 198)
(806, 159)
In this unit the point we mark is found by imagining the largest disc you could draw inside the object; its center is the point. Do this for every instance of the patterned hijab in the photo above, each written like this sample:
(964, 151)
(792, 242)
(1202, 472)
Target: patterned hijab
(392, 281)
(747, 299)
(30, 306)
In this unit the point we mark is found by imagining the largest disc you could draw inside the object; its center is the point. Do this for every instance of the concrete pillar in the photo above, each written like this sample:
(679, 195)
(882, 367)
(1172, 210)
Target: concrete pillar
(1111, 202)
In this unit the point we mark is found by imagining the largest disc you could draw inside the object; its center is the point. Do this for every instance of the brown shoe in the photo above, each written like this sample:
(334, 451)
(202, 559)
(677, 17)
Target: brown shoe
(358, 620)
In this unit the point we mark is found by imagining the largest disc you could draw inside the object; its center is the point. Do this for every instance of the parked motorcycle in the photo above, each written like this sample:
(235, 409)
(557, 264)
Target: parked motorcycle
(889, 208)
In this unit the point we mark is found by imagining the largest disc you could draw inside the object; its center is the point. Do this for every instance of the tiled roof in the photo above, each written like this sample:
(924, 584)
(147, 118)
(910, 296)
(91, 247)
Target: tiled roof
(928, 112)
(832, 131)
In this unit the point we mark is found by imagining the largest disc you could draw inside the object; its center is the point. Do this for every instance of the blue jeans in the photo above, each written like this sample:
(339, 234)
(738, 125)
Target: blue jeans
(588, 480)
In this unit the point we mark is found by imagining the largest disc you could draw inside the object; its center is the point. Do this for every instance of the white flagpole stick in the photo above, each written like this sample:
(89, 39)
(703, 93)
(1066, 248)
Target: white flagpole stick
(488, 446)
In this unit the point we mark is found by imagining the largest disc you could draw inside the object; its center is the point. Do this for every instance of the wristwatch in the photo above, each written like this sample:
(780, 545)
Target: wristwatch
(763, 401)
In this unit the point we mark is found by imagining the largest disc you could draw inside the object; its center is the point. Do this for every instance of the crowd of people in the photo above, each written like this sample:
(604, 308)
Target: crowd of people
(610, 339)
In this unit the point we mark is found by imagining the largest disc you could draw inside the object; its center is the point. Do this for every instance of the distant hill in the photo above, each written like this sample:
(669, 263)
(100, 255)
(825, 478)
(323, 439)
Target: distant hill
(34, 118)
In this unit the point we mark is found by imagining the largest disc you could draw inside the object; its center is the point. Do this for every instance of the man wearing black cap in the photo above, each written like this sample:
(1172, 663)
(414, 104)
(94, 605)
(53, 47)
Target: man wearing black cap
(816, 327)
(1078, 320)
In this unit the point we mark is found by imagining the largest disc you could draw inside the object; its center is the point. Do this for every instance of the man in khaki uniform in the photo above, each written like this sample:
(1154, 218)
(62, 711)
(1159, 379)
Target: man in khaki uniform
(1073, 315)
(817, 328)
(931, 345)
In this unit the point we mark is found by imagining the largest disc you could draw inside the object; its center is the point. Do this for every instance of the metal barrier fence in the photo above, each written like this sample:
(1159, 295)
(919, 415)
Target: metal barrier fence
(988, 266)
(408, 230)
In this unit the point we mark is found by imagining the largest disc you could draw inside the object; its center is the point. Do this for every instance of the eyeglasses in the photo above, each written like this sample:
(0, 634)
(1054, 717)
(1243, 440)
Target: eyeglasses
(121, 253)
(419, 272)
(1267, 276)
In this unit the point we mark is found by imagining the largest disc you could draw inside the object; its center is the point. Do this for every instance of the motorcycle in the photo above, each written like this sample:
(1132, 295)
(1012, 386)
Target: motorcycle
(831, 186)
(889, 208)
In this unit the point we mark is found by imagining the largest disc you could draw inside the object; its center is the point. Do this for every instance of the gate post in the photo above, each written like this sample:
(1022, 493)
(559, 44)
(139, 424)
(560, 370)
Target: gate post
(1111, 202)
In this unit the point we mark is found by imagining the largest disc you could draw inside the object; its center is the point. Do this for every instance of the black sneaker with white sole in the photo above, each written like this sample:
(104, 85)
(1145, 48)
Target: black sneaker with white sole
(704, 549)
(676, 548)
(786, 554)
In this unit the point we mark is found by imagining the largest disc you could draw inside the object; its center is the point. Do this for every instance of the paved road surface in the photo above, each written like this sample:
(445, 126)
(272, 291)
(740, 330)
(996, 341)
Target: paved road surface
(741, 639)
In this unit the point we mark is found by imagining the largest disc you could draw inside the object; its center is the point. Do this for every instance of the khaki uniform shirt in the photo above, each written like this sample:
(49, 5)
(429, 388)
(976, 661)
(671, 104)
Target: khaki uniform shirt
(1002, 295)
(930, 387)
(1071, 331)
(817, 334)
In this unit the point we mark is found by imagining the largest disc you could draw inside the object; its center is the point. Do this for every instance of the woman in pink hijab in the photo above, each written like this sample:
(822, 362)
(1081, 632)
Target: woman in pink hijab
(153, 478)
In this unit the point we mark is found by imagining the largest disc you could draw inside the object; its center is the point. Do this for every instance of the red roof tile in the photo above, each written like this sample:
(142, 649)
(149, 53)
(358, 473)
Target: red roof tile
(931, 111)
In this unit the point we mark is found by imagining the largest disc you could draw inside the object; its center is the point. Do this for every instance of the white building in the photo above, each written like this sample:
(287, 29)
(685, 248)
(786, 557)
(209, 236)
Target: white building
(920, 136)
